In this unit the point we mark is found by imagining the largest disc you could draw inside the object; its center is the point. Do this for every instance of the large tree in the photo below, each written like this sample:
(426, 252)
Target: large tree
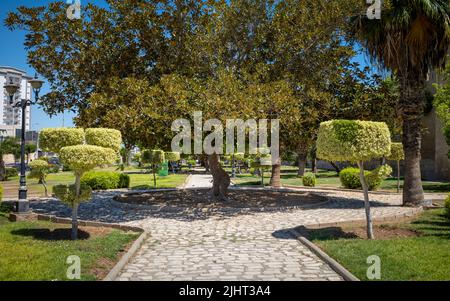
(412, 38)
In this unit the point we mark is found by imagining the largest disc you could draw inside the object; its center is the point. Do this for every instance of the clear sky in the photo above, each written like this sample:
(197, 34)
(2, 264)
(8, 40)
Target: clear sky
(13, 54)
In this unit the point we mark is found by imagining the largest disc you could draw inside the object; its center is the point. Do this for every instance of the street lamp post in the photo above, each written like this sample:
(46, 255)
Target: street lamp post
(11, 89)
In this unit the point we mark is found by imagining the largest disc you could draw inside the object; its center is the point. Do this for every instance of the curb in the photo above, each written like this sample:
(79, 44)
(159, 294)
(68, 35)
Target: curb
(338, 268)
(112, 275)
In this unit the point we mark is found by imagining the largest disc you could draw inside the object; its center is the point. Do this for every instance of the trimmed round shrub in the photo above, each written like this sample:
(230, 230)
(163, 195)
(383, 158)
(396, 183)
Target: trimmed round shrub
(397, 153)
(81, 158)
(309, 179)
(52, 140)
(349, 178)
(172, 156)
(67, 194)
(353, 140)
(104, 180)
(108, 138)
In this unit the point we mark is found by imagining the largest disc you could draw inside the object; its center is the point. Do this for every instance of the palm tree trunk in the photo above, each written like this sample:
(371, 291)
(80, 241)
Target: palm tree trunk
(398, 176)
(411, 107)
(301, 158)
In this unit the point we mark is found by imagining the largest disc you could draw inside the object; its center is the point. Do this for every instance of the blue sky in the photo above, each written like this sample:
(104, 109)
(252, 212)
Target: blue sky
(12, 53)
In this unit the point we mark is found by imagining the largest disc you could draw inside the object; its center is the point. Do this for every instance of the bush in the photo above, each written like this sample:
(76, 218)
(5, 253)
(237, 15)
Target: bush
(108, 138)
(309, 179)
(81, 158)
(447, 207)
(172, 156)
(52, 140)
(397, 153)
(353, 140)
(104, 180)
(11, 172)
(350, 177)
(155, 156)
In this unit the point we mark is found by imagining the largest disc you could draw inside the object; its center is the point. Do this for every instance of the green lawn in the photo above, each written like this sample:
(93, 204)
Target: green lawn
(28, 253)
(424, 257)
(137, 181)
(330, 179)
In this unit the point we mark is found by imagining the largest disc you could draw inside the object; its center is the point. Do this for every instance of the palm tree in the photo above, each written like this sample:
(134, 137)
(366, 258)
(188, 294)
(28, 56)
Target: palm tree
(411, 39)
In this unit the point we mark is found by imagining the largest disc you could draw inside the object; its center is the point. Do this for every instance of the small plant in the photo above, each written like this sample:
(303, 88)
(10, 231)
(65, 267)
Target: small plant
(350, 177)
(447, 207)
(309, 179)
(104, 180)
(39, 170)
(154, 158)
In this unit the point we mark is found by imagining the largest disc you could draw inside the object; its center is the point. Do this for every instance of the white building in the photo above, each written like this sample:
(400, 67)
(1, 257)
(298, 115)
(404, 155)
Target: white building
(10, 117)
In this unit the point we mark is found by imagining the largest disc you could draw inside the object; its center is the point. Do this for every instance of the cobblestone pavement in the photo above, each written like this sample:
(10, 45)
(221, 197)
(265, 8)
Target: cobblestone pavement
(228, 246)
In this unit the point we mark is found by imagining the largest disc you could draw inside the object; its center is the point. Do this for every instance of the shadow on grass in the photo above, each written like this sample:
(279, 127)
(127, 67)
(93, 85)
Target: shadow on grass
(50, 235)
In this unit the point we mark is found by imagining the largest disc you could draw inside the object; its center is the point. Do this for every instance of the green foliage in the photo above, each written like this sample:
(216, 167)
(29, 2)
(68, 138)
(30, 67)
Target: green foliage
(350, 179)
(104, 180)
(172, 156)
(54, 139)
(11, 172)
(309, 179)
(67, 194)
(155, 156)
(376, 177)
(108, 138)
(82, 158)
(447, 207)
(397, 153)
(39, 169)
(353, 140)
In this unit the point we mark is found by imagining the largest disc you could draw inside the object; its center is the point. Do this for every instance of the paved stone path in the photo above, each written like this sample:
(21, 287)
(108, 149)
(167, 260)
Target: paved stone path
(227, 246)
(199, 181)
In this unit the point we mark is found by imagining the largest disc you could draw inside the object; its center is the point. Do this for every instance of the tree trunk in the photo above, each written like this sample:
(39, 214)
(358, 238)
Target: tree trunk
(221, 180)
(75, 208)
(411, 107)
(314, 165)
(45, 187)
(398, 176)
(366, 200)
(154, 176)
(301, 158)
(275, 178)
(336, 168)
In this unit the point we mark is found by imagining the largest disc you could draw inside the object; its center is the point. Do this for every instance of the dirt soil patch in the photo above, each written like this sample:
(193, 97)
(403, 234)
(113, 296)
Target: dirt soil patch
(237, 199)
(63, 232)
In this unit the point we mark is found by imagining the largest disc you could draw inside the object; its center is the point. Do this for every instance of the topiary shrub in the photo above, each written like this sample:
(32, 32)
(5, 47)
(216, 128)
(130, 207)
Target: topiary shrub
(349, 178)
(67, 194)
(376, 177)
(172, 156)
(108, 138)
(52, 140)
(355, 141)
(39, 170)
(309, 179)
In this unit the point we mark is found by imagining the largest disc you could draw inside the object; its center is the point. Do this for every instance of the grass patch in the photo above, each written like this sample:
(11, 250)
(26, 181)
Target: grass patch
(37, 250)
(145, 181)
(423, 256)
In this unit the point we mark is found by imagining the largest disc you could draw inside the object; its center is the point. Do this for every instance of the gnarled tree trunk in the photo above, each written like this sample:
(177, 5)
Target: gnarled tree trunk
(411, 108)
(275, 178)
(301, 158)
(221, 180)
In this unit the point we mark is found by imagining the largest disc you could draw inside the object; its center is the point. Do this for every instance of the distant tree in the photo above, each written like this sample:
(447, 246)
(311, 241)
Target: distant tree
(7, 146)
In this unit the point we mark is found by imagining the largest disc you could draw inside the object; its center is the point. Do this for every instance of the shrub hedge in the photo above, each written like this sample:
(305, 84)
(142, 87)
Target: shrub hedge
(104, 180)
(11, 172)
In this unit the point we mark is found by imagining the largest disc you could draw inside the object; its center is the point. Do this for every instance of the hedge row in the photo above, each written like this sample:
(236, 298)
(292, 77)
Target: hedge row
(350, 177)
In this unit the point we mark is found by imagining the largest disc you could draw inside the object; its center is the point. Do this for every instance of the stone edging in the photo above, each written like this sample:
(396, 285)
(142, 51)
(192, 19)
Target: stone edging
(338, 268)
(115, 271)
